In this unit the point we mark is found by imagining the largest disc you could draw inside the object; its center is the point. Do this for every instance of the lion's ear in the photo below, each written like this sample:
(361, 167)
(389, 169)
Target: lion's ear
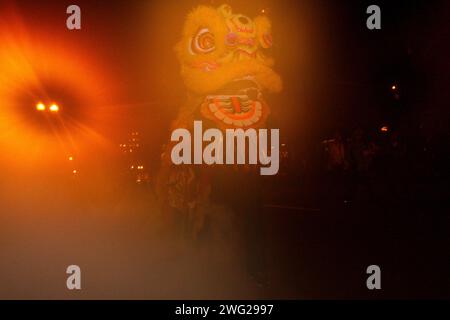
(225, 10)
(264, 31)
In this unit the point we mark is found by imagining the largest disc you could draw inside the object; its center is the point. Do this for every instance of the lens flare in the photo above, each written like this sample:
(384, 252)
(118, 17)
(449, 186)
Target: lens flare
(37, 68)
(54, 108)
(40, 107)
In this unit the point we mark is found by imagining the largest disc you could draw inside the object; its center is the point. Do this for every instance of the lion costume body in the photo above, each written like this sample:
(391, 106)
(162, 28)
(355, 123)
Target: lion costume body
(226, 71)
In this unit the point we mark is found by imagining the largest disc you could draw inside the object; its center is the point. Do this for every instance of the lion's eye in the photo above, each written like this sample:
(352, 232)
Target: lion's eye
(203, 42)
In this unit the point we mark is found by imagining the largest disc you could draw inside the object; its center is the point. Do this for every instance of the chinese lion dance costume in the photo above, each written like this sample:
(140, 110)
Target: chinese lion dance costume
(226, 71)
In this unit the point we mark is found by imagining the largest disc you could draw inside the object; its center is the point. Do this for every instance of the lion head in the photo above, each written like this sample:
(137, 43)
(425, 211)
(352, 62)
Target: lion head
(223, 61)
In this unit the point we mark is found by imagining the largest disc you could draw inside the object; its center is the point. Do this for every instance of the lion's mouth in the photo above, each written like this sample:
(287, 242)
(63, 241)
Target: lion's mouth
(238, 104)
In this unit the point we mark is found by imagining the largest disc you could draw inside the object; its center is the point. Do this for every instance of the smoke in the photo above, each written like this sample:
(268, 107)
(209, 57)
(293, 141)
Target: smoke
(126, 248)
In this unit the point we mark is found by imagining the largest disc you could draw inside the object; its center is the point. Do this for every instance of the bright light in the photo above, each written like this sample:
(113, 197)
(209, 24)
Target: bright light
(40, 106)
(70, 158)
(384, 129)
(54, 108)
(394, 87)
(74, 171)
(40, 67)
